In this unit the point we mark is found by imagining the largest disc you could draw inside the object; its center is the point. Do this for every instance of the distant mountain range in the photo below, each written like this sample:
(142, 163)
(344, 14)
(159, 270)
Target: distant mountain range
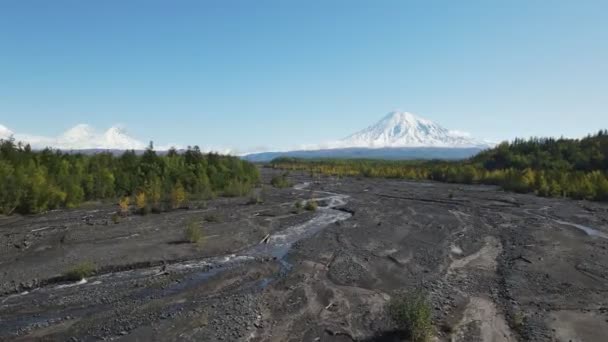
(80, 137)
(398, 135)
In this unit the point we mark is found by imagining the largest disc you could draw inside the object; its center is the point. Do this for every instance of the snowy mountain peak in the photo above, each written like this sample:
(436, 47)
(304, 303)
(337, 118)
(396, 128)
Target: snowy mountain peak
(117, 138)
(403, 129)
(77, 134)
(81, 136)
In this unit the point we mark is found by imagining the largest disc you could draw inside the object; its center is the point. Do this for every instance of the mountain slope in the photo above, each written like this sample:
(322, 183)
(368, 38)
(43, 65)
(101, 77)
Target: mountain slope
(402, 129)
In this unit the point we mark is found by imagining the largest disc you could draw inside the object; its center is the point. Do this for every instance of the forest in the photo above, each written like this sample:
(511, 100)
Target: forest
(37, 181)
(575, 168)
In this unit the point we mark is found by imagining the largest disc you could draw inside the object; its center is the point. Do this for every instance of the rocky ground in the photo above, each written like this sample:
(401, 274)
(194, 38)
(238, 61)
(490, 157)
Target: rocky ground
(497, 267)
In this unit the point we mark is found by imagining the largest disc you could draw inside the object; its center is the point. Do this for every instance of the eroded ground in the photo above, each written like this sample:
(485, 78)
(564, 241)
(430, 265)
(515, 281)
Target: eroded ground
(497, 266)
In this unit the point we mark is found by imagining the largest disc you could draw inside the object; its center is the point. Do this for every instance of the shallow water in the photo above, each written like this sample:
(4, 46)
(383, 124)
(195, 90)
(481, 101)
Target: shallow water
(277, 247)
(588, 230)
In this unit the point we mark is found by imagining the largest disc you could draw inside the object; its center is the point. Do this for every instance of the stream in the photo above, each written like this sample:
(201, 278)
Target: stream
(276, 246)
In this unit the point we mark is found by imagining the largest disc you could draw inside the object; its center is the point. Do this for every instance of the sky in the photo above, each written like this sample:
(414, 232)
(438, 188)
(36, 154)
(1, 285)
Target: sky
(259, 75)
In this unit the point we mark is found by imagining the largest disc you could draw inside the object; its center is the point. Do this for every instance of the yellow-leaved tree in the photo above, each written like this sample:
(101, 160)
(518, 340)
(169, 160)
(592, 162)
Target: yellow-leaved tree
(178, 196)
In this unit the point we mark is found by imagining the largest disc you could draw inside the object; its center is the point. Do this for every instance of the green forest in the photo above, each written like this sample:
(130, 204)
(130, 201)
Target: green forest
(36, 181)
(575, 168)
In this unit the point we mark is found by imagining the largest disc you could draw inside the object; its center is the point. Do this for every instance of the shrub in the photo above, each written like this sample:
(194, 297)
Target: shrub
(212, 218)
(80, 271)
(311, 205)
(123, 204)
(115, 218)
(518, 319)
(178, 196)
(412, 313)
(280, 181)
(236, 189)
(141, 203)
(193, 232)
(298, 205)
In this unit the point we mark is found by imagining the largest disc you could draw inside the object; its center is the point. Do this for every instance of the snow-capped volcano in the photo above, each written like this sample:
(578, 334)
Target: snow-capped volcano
(115, 137)
(79, 137)
(402, 129)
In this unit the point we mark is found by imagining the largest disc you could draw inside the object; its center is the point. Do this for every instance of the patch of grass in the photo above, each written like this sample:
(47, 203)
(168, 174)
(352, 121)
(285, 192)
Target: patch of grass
(280, 181)
(311, 205)
(256, 198)
(412, 313)
(194, 232)
(115, 218)
(80, 271)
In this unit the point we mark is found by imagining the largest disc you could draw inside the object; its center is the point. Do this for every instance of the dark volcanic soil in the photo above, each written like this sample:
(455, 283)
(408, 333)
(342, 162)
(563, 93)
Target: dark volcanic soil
(497, 267)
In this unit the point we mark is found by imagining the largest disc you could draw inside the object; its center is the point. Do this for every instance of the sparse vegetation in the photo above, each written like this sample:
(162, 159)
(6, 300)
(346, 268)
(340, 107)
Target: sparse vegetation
(194, 232)
(412, 313)
(115, 218)
(280, 181)
(80, 271)
(311, 205)
(256, 197)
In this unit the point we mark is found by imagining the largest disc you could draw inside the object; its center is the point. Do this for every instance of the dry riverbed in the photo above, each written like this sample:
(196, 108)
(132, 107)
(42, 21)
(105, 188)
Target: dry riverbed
(497, 267)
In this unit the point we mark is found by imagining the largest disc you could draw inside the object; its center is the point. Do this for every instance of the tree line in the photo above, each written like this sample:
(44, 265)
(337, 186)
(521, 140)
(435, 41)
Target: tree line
(575, 168)
(36, 181)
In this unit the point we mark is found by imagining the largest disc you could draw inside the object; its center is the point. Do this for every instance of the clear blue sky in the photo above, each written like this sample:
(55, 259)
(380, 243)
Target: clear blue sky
(281, 73)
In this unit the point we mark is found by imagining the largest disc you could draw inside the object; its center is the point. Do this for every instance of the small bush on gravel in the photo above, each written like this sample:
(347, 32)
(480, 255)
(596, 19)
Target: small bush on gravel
(412, 313)
(115, 218)
(193, 232)
(280, 181)
(212, 218)
(518, 319)
(311, 205)
(257, 197)
(80, 271)
(298, 205)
